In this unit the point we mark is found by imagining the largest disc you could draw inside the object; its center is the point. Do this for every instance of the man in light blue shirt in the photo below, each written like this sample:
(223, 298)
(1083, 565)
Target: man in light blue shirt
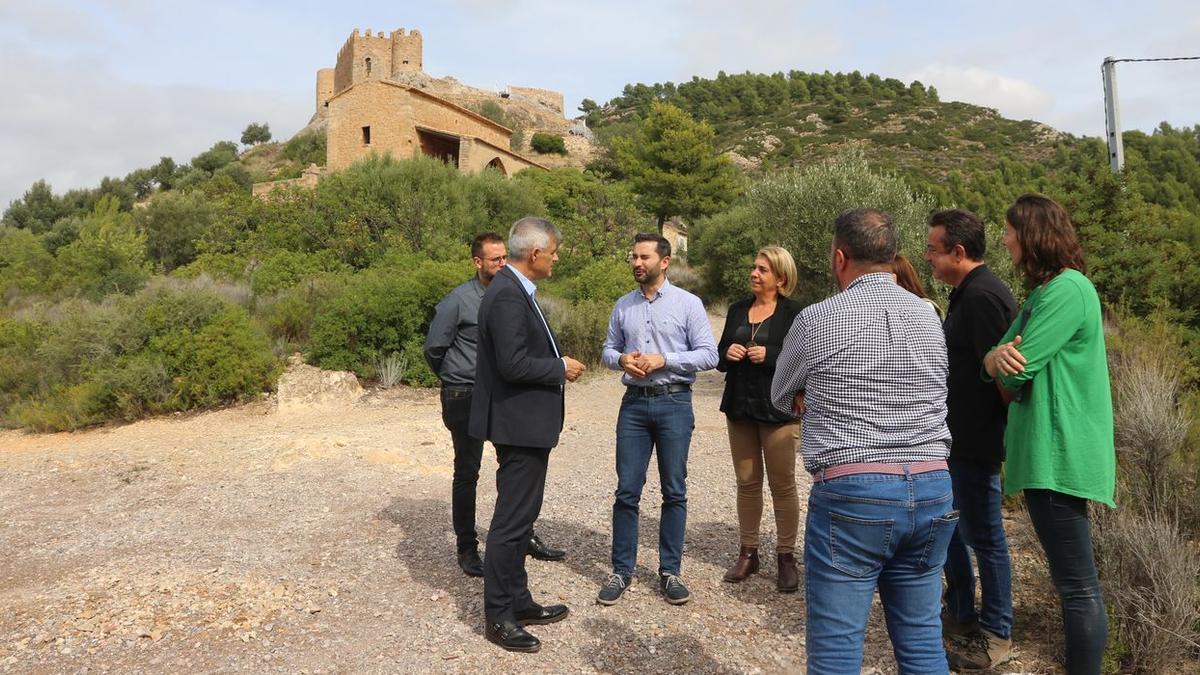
(660, 336)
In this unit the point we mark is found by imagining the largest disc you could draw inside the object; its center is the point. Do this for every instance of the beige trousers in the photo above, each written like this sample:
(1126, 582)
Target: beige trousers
(754, 444)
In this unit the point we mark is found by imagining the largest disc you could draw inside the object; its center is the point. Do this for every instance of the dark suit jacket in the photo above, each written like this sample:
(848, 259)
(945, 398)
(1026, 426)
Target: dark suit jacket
(748, 385)
(518, 398)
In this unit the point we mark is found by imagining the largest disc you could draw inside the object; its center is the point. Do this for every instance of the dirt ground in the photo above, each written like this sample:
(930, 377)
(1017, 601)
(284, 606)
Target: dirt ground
(317, 538)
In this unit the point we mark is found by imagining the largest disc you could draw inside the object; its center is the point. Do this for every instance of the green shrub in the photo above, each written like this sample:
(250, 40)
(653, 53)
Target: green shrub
(381, 311)
(289, 315)
(580, 327)
(172, 223)
(381, 204)
(517, 140)
(493, 111)
(725, 245)
(108, 257)
(20, 371)
(306, 149)
(225, 359)
(221, 154)
(597, 219)
(548, 143)
(23, 261)
(687, 278)
(282, 269)
(220, 266)
(167, 348)
(605, 280)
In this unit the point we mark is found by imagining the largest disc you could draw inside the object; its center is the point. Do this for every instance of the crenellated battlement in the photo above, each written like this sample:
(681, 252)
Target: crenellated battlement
(369, 55)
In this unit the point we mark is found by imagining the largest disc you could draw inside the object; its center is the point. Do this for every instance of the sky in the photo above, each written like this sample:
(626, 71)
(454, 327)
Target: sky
(103, 87)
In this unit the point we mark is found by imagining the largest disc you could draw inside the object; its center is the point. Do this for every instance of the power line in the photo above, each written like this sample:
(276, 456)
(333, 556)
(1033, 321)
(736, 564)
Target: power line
(1171, 58)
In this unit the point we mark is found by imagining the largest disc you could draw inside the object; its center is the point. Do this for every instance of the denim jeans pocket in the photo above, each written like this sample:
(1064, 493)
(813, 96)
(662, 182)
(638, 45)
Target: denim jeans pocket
(680, 397)
(941, 529)
(858, 546)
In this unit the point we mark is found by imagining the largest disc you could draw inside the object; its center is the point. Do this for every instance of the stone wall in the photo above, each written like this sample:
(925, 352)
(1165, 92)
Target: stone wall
(308, 179)
(475, 155)
(385, 109)
(437, 113)
(546, 97)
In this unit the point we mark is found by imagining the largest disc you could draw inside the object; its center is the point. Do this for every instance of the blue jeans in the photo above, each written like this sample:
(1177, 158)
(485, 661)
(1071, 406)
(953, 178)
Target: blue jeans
(662, 424)
(1061, 523)
(977, 498)
(869, 530)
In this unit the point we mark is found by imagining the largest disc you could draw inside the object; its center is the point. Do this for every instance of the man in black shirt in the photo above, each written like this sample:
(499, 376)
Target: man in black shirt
(980, 312)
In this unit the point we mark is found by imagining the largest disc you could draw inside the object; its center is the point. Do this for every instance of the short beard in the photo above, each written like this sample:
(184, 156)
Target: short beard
(652, 275)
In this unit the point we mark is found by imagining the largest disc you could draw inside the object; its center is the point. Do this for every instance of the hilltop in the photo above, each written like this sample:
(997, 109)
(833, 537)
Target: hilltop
(780, 120)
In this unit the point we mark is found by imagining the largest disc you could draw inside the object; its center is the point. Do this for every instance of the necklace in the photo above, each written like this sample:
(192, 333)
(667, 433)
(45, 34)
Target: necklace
(753, 332)
(754, 327)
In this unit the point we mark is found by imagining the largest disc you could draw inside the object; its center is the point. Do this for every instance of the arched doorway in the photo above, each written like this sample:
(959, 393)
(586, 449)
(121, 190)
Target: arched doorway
(497, 165)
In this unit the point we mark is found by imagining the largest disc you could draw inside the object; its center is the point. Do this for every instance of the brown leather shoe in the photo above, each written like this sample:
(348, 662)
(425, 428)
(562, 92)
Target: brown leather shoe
(789, 574)
(747, 564)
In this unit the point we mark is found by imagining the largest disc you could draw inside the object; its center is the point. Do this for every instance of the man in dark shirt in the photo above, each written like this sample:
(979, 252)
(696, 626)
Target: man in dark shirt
(450, 351)
(981, 310)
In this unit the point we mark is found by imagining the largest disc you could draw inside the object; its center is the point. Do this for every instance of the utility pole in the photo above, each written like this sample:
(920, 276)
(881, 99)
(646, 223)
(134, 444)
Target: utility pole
(1112, 116)
(1112, 109)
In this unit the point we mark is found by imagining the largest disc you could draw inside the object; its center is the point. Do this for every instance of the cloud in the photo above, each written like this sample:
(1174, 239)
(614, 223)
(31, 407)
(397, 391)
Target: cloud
(73, 121)
(755, 35)
(970, 84)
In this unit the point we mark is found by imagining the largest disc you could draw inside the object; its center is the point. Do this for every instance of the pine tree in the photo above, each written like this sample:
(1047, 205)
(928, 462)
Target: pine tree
(673, 167)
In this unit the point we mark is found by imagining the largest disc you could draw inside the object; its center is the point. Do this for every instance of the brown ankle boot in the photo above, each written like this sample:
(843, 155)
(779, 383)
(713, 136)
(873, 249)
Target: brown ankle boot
(747, 564)
(789, 574)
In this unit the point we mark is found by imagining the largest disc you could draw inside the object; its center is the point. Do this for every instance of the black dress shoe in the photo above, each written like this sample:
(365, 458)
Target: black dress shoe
(538, 615)
(470, 563)
(511, 636)
(541, 551)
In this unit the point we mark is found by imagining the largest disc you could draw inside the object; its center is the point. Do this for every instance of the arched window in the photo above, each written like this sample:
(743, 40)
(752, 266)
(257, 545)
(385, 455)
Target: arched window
(368, 62)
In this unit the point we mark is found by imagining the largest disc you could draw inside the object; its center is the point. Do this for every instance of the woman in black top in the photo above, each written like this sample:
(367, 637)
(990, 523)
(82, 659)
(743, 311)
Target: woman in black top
(758, 433)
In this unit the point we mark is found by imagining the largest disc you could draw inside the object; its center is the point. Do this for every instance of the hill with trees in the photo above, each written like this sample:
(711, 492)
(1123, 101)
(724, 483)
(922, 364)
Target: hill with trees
(956, 152)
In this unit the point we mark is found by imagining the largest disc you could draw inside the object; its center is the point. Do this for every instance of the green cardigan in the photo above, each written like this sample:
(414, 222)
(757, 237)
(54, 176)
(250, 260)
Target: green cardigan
(1060, 432)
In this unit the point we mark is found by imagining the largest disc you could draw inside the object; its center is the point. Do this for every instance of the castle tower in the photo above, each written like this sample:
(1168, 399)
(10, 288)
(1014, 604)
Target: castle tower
(325, 89)
(372, 57)
(406, 52)
(363, 57)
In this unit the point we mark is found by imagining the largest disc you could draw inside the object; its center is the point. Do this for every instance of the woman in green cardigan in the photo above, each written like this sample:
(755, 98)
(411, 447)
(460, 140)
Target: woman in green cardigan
(1052, 366)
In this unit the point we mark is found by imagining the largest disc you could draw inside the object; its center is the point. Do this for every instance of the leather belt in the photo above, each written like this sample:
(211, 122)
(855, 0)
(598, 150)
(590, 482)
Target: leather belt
(910, 469)
(658, 389)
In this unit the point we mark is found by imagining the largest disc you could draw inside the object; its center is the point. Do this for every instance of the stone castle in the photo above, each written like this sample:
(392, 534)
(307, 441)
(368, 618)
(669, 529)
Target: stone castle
(372, 108)
(377, 99)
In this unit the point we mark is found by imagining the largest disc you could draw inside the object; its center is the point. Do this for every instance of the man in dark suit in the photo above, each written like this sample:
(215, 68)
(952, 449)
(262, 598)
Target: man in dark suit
(518, 405)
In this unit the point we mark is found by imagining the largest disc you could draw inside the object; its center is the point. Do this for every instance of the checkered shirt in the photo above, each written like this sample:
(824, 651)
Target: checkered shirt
(872, 363)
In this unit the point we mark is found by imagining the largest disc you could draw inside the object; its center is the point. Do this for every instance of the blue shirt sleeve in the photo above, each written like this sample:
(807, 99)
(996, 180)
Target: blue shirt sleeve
(701, 352)
(614, 340)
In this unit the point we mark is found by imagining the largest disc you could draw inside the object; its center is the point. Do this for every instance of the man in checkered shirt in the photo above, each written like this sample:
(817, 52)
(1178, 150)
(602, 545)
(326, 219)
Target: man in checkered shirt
(866, 371)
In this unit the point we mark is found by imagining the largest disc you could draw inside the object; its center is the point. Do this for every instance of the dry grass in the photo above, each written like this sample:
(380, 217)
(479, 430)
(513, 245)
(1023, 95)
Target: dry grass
(1150, 574)
(390, 369)
(1150, 569)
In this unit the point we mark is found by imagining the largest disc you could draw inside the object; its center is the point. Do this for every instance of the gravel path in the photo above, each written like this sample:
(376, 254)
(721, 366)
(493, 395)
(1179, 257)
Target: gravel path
(319, 541)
